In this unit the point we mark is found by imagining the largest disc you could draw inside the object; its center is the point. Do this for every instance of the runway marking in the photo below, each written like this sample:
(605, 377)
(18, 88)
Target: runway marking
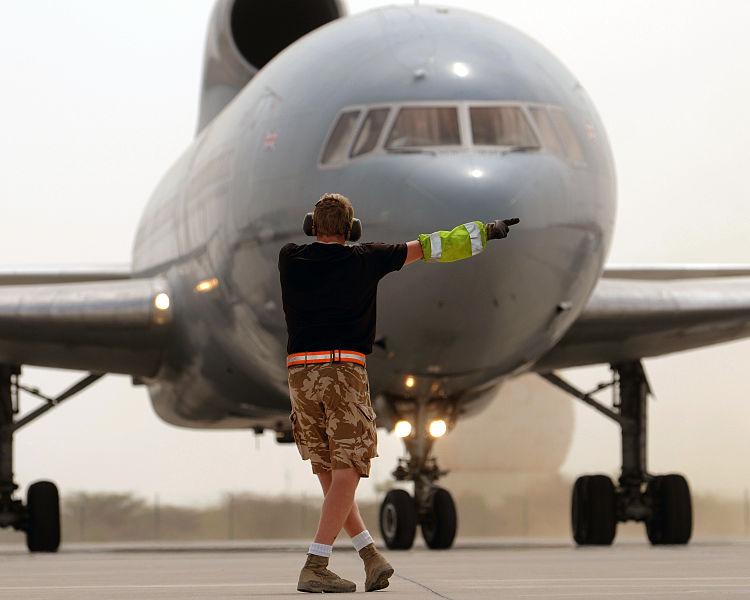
(128, 586)
(614, 579)
(623, 586)
(621, 593)
(438, 594)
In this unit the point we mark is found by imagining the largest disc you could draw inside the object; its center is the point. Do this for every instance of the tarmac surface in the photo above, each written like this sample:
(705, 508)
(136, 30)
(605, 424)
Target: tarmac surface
(486, 569)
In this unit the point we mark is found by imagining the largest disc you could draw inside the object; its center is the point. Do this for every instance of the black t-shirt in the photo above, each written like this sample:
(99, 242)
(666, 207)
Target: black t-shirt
(329, 293)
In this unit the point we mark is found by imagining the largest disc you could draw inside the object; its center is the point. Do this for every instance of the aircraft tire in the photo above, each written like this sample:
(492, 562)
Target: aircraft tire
(398, 520)
(593, 511)
(671, 521)
(43, 510)
(440, 524)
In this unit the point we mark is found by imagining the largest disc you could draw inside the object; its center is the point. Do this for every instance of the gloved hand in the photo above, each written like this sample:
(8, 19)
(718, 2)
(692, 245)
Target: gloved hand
(499, 228)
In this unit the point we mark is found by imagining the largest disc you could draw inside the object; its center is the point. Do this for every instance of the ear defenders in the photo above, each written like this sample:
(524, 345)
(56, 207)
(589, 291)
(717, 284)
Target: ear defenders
(353, 233)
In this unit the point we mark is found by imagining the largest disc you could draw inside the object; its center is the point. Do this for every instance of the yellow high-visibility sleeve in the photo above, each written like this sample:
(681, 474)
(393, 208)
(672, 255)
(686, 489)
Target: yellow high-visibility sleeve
(461, 242)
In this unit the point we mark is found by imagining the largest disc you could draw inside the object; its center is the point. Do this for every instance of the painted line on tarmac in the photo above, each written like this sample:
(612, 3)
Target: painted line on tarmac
(133, 586)
(621, 594)
(614, 579)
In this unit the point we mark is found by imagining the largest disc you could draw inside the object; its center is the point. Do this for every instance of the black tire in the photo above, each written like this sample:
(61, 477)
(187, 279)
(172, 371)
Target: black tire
(440, 524)
(398, 520)
(671, 520)
(43, 510)
(593, 511)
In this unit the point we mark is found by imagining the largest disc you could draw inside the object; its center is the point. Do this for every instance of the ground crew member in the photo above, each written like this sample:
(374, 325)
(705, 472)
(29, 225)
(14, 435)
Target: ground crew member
(329, 292)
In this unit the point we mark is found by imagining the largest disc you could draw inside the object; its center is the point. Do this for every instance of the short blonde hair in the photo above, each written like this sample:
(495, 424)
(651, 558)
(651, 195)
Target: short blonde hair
(333, 215)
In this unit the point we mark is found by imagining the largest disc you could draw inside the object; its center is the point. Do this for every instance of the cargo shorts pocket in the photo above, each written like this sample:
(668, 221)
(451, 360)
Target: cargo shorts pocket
(298, 437)
(369, 433)
(367, 411)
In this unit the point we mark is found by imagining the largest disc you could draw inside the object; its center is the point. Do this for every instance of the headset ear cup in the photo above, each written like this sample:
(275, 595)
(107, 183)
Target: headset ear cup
(308, 225)
(355, 230)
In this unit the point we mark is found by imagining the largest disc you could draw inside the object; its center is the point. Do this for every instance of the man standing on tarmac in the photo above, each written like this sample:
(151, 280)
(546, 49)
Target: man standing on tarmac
(329, 294)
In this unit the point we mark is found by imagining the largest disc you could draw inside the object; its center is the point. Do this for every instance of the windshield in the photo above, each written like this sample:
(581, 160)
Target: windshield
(425, 126)
(338, 143)
(501, 126)
(370, 132)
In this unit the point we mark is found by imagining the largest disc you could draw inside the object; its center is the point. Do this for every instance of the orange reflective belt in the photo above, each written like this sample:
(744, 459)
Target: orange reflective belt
(325, 356)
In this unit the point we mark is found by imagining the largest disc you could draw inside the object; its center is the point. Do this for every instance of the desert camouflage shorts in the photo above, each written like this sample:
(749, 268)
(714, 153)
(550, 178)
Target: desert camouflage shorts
(332, 419)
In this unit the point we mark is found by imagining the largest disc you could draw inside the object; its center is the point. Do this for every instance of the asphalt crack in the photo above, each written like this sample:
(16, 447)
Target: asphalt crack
(429, 589)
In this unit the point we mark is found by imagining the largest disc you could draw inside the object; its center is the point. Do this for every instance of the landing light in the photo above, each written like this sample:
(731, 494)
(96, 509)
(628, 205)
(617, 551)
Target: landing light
(402, 429)
(161, 301)
(409, 382)
(438, 428)
(207, 285)
(476, 173)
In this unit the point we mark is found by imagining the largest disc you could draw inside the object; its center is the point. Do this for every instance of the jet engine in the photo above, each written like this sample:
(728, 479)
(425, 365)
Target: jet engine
(244, 35)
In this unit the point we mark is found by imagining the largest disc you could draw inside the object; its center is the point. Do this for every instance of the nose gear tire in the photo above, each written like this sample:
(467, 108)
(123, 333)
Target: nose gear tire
(440, 523)
(398, 520)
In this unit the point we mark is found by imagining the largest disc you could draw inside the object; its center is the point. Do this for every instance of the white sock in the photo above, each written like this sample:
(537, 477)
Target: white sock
(361, 540)
(320, 549)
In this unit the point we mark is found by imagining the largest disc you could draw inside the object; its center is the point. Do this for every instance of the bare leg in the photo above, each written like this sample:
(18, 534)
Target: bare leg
(337, 505)
(354, 523)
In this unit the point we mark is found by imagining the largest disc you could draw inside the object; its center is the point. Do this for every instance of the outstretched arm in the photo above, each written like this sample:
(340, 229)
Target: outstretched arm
(461, 242)
(413, 251)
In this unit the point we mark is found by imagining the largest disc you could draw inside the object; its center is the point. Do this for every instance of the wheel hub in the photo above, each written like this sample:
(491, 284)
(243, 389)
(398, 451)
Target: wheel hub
(390, 520)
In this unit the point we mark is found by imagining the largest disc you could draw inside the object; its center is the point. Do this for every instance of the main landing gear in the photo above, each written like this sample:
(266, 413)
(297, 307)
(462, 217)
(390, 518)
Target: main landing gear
(40, 517)
(662, 502)
(431, 507)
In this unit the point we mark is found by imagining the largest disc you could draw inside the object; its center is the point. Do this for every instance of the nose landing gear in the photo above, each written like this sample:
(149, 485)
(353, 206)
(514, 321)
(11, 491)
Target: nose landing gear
(431, 507)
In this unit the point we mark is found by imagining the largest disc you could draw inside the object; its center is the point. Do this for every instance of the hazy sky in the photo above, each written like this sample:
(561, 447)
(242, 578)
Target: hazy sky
(100, 98)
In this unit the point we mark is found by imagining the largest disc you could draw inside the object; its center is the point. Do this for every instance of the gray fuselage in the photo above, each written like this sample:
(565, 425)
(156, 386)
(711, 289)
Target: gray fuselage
(240, 191)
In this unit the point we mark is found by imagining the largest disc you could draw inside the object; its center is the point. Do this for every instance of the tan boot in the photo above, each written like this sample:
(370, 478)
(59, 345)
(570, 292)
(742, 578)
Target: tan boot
(314, 577)
(377, 569)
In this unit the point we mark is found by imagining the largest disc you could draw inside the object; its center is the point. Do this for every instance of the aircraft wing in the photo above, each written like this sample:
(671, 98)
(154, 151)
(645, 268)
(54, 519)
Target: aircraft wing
(663, 272)
(638, 312)
(110, 325)
(28, 276)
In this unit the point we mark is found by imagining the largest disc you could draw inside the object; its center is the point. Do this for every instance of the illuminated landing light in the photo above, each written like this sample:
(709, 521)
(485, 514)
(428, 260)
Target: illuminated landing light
(161, 301)
(409, 382)
(402, 429)
(476, 173)
(438, 428)
(207, 285)
(460, 69)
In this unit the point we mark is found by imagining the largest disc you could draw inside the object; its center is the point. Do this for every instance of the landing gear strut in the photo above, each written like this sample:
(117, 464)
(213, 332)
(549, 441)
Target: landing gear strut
(662, 502)
(431, 507)
(40, 517)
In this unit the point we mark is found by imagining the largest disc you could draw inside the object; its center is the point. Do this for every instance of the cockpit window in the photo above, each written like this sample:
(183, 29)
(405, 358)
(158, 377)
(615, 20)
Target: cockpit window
(568, 135)
(370, 131)
(547, 131)
(501, 126)
(483, 126)
(338, 142)
(424, 126)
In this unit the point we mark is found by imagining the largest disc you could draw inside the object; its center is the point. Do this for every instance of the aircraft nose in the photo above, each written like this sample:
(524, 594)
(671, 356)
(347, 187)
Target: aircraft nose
(474, 188)
(429, 193)
(493, 311)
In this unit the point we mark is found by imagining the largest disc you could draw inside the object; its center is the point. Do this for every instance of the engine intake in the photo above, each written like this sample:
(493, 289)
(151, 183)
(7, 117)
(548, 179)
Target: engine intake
(244, 35)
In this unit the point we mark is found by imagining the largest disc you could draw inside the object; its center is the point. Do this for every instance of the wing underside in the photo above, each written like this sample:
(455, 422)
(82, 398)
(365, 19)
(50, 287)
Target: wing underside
(101, 326)
(628, 318)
